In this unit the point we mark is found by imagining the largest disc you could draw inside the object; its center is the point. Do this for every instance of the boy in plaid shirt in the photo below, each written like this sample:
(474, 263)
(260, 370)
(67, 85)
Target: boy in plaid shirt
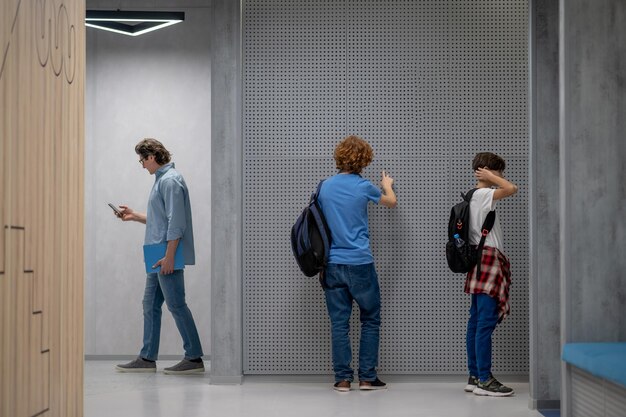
(490, 290)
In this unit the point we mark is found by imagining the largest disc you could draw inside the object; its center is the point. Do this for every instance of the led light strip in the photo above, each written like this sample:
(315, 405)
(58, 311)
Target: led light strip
(113, 21)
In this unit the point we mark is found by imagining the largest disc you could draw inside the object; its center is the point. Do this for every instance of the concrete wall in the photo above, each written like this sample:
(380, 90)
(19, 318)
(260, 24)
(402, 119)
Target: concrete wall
(226, 181)
(592, 153)
(545, 371)
(155, 85)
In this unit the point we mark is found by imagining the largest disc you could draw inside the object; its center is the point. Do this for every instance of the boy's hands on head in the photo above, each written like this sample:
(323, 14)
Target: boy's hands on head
(489, 177)
(485, 174)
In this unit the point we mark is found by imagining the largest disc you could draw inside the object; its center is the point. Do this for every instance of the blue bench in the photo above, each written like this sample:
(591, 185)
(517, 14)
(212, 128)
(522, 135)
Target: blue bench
(603, 360)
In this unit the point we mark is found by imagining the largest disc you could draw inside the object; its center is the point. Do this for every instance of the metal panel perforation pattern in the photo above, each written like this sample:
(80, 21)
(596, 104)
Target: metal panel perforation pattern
(428, 84)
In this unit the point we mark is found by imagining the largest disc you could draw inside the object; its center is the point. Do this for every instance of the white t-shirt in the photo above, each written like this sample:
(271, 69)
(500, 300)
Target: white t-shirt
(481, 204)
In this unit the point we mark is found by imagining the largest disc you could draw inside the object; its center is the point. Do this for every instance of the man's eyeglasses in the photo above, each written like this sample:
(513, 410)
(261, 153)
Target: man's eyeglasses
(143, 159)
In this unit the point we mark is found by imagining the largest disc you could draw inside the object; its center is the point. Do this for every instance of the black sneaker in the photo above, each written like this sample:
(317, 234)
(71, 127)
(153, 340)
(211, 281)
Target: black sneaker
(372, 385)
(492, 388)
(138, 365)
(472, 382)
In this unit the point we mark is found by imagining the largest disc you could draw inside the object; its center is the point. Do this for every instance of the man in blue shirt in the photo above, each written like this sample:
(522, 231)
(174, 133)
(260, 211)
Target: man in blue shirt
(168, 219)
(350, 274)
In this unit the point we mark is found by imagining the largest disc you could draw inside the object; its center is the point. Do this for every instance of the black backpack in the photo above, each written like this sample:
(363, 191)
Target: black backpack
(460, 254)
(310, 238)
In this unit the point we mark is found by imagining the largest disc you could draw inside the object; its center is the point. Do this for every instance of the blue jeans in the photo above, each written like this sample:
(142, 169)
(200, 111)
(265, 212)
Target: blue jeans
(345, 283)
(480, 326)
(171, 289)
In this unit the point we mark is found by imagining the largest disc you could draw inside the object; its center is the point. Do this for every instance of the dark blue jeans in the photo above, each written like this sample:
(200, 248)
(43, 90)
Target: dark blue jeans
(171, 289)
(482, 322)
(345, 283)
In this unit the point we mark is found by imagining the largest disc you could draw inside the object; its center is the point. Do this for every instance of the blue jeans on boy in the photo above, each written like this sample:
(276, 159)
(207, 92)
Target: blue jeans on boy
(171, 289)
(482, 322)
(345, 283)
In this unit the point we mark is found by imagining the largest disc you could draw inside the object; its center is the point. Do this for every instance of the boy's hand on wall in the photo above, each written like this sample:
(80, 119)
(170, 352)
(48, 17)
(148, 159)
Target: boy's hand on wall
(386, 181)
(388, 199)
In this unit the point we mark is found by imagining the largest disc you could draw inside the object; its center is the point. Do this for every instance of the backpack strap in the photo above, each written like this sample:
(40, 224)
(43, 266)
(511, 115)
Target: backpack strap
(317, 192)
(486, 228)
(468, 196)
(314, 196)
(487, 224)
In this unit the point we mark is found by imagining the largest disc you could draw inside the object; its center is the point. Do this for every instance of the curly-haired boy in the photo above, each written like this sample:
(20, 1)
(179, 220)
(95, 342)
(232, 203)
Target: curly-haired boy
(350, 274)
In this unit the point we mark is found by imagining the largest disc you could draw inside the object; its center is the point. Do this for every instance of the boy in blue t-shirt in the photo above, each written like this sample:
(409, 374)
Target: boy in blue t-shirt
(350, 274)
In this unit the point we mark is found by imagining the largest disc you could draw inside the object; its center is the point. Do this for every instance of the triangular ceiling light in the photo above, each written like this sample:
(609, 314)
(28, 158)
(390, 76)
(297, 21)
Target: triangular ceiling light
(131, 23)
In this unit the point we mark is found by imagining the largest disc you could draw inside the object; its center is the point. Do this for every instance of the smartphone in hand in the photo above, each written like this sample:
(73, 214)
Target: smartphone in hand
(116, 210)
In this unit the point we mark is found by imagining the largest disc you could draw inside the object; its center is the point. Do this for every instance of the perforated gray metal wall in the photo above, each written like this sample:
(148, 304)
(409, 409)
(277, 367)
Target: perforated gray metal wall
(428, 84)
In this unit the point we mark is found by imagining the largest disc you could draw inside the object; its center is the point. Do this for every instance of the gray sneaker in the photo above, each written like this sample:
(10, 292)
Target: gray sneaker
(138, 365)
(185, 367)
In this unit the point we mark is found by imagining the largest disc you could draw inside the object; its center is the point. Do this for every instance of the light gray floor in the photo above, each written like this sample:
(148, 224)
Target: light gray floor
(109, 393)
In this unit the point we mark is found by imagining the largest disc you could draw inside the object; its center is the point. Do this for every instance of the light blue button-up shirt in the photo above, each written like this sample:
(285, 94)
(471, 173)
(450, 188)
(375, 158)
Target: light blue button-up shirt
(169, 212)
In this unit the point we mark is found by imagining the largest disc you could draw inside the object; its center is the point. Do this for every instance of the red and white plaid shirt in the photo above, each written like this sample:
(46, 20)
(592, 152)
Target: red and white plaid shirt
(494, 280)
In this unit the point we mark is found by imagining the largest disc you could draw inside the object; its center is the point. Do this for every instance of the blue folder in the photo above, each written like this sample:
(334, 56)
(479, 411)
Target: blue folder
(154, 253)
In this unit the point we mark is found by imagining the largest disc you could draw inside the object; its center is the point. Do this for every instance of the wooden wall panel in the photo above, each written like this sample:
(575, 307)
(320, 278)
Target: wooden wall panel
(42, 66)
